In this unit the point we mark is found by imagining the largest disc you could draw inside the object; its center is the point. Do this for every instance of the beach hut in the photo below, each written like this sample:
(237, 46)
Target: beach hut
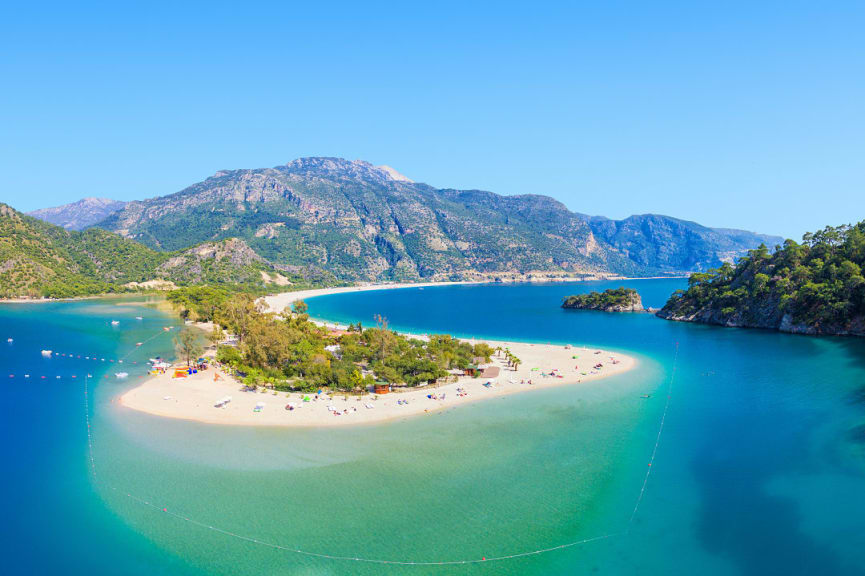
(471, 370)
(382, 387)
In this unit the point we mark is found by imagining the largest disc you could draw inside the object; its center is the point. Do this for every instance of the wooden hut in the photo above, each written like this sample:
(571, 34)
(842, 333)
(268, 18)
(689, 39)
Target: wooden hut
(382, 387)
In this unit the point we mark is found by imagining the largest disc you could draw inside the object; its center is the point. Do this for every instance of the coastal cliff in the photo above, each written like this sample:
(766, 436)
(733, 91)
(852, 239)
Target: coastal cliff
(816, 288)
(612, 300)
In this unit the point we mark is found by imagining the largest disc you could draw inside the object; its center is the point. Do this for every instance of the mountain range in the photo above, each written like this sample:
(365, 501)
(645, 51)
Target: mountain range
(351, 220)
(332, 220)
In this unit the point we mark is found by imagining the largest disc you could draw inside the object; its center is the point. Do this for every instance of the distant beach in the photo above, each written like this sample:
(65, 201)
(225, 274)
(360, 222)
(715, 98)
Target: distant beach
(277, 302)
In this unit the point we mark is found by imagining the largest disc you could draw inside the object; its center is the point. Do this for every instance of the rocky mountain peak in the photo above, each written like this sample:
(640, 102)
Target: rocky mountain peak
(340, 168)
(79, 215)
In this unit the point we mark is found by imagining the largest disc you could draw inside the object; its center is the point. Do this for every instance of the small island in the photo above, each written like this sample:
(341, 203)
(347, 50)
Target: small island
(613, 300)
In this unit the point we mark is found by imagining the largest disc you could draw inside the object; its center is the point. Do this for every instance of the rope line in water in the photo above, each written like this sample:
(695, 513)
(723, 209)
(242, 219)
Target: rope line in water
(379, 561)
(657, 440)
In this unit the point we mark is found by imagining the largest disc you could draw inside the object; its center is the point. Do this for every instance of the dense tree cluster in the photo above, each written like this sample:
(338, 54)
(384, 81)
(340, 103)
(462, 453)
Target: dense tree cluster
(612, 299)
(817, 285)
(288, 351)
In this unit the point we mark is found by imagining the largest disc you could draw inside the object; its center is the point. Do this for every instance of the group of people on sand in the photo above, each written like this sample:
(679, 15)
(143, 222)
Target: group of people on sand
(345, 412)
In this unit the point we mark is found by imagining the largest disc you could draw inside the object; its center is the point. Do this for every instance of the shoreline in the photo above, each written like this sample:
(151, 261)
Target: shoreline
(193, 398)
(357, 287)
(277, 302)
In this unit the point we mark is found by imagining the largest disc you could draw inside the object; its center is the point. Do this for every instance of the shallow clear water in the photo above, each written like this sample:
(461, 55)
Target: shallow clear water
(760, 467)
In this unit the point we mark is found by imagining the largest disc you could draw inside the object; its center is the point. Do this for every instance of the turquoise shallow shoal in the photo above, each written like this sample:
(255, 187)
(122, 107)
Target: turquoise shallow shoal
(760, 467)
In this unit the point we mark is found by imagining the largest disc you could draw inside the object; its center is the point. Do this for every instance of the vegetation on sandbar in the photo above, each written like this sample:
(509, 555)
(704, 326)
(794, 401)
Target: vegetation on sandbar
(289, 352)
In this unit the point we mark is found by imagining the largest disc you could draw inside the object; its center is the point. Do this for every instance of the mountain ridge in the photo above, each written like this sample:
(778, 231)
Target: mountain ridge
(80, 214)
(358, 222)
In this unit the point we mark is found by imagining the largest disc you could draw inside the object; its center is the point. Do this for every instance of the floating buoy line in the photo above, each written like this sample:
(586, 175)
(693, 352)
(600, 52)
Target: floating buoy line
(380, 561)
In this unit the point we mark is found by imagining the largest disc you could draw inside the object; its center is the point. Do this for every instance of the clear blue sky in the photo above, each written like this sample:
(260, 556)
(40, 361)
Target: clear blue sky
(748, 115)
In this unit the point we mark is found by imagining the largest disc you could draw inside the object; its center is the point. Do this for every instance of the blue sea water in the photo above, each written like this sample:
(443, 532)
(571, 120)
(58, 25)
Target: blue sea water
(760, 468)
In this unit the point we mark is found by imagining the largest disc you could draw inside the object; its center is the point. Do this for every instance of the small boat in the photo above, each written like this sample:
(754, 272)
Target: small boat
(646, 396)
(115, 322)
(121, 375)
(138, 343)
(46, 353)
(9, 340)
(139, 318)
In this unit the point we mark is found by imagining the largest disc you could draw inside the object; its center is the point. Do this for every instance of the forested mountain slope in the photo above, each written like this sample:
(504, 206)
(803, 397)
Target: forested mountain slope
(816, 287)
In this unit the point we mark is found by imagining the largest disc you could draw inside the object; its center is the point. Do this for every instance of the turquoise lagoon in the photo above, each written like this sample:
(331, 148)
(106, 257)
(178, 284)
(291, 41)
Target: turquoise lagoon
(760, 467)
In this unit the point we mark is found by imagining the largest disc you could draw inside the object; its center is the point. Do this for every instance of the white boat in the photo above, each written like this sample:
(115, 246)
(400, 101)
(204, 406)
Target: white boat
(139, 318)
(46, 353)
(9, 340)
(115, 322)
(121, 374)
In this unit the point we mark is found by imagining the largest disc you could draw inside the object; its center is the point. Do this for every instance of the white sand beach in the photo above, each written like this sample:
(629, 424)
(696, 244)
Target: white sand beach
(278, 302)
(193, 398)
